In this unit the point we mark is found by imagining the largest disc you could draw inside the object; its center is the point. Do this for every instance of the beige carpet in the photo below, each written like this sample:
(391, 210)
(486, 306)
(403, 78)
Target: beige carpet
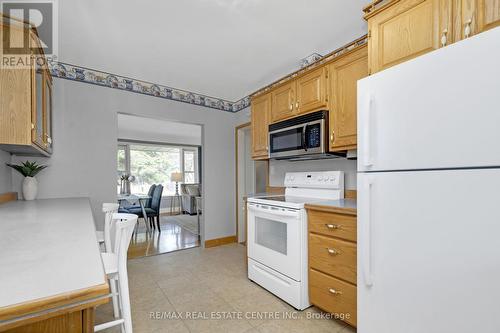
(187, 222)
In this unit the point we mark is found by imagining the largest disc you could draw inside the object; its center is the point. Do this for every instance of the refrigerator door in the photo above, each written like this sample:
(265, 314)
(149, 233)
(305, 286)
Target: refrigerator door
(440, 110)
(428, 251)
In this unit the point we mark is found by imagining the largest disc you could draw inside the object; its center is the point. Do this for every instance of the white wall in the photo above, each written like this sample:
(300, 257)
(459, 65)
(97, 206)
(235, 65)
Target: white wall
(85, 135)
(5, 173)
(154, 130)
(84, 158)
(277, 169)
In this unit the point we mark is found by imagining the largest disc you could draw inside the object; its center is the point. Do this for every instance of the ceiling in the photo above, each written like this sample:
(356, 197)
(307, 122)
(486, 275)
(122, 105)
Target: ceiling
(221, 48)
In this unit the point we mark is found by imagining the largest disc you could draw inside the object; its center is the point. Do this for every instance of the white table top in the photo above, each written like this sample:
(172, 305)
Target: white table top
(47, 247)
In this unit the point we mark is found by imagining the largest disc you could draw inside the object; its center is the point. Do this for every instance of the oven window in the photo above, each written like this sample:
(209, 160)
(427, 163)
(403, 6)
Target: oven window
(286, 140)
(271, 234)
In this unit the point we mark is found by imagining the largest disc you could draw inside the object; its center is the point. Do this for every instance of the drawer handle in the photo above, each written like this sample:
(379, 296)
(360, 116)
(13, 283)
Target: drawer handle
(332, 251)
(333, 226)
(334, 292)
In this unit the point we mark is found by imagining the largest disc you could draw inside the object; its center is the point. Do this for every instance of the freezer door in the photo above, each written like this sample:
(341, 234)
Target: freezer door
(428, 251)
(440, 110)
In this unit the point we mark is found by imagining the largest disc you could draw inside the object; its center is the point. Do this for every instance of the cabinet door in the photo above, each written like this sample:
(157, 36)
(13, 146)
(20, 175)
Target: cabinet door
(48, 112)
(403, 31)
(311, 91)
(489, 14)
(283, 100)
(345, 74)
(37, 111)
(260, 121)
(466, 16)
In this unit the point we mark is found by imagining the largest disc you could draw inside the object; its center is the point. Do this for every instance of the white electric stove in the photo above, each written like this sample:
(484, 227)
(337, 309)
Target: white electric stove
(277, 233)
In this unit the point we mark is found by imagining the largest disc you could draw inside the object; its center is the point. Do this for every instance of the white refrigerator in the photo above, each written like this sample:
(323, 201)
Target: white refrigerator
(429, 192)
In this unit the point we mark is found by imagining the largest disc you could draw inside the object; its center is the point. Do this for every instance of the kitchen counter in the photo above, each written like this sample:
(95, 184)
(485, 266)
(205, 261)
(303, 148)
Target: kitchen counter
(49, 259)
(341, 206)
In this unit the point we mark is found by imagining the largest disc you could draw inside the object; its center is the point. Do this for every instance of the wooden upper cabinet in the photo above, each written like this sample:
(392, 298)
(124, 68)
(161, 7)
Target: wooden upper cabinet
(283, 102)
(25, 97)
(475, 16)
(344, 75)
(261, 107)
(488, 14)
(311, 91)
(403, 30)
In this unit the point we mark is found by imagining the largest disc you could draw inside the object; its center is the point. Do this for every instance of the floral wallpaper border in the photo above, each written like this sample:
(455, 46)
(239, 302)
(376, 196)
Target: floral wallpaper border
(100, 78)
(92, 76)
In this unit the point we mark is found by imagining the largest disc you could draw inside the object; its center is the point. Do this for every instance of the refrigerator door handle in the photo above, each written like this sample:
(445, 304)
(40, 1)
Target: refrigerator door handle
(367, 158)
(366, 238)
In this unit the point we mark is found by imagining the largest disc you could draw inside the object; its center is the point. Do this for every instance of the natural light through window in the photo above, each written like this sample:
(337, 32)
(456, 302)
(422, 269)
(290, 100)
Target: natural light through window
(153, 164)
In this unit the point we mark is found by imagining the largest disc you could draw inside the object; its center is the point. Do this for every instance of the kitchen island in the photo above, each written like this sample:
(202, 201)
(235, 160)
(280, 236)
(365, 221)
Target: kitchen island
(51, 273)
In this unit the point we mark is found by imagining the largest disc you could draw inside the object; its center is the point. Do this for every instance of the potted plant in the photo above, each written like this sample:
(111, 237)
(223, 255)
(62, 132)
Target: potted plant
(29, 170)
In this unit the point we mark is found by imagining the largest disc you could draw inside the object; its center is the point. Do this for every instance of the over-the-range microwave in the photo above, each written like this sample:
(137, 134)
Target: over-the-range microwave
(301, 138)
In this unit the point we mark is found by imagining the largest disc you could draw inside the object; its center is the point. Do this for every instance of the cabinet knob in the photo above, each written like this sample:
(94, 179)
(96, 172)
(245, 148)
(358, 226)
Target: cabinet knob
(332, 226)
(291, 107)
(332, 251)
(334, 292)
(468, 28)
(444, 37)
(297, 105)
(32, 126)
(332, 136)
(49, 140)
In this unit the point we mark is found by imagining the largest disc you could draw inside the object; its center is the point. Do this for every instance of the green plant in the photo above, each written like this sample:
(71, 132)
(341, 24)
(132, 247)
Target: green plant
(28, 169)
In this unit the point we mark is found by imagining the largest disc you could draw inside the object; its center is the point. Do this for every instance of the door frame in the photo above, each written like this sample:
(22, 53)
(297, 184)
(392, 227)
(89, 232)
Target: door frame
(236, 131)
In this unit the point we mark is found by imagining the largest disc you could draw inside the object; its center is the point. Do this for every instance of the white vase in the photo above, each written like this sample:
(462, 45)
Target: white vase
(30, 188)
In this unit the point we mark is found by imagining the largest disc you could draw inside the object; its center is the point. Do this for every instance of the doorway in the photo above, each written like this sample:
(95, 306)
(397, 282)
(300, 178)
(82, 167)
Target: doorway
(251, 176)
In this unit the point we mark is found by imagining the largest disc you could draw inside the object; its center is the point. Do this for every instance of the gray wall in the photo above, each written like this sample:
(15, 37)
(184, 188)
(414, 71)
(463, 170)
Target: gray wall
(85, 134)
(5, 173)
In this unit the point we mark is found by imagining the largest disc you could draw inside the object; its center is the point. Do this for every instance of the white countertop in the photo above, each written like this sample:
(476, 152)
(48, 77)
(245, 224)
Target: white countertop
(47, 247)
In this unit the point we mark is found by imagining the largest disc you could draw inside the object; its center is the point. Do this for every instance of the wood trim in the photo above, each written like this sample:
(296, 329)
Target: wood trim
(48, 303)
(236, 151)
(351, 194)
(220, 241)
(9, 196)
(275, 190)
(330, 57)
(332, 209)
(378, 6)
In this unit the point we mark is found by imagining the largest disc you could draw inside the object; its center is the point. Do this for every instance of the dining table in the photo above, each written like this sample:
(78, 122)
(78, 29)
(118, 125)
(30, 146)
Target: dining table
(132, 198)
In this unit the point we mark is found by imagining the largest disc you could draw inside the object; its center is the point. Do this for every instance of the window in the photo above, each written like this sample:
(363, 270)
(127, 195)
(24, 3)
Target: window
(189, 166)
(153, 164)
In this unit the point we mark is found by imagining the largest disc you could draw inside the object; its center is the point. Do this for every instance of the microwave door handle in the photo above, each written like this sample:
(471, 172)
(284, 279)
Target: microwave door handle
(304, 143)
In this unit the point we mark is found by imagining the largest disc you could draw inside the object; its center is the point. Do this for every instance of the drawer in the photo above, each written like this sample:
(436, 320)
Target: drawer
(333, 256)
(333, 295)
(332, 224)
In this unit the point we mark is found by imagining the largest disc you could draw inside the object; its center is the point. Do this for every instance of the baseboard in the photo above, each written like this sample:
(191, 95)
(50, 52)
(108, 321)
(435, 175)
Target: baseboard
(220, 241)
(9, 196)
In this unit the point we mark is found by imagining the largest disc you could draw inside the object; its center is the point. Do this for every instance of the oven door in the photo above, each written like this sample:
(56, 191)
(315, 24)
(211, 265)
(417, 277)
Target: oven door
(274, 238)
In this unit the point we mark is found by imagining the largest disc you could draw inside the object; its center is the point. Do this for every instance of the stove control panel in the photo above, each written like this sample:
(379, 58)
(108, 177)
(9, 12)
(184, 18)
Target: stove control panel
(321, 179)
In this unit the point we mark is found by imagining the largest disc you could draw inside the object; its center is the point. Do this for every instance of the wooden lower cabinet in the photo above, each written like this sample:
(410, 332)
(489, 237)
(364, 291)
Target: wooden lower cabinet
(81, 321)
(333, 261)
(333, 295)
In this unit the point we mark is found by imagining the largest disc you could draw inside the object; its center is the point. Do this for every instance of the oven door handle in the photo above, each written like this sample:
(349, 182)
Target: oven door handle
(304, 143)
(273, 211)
